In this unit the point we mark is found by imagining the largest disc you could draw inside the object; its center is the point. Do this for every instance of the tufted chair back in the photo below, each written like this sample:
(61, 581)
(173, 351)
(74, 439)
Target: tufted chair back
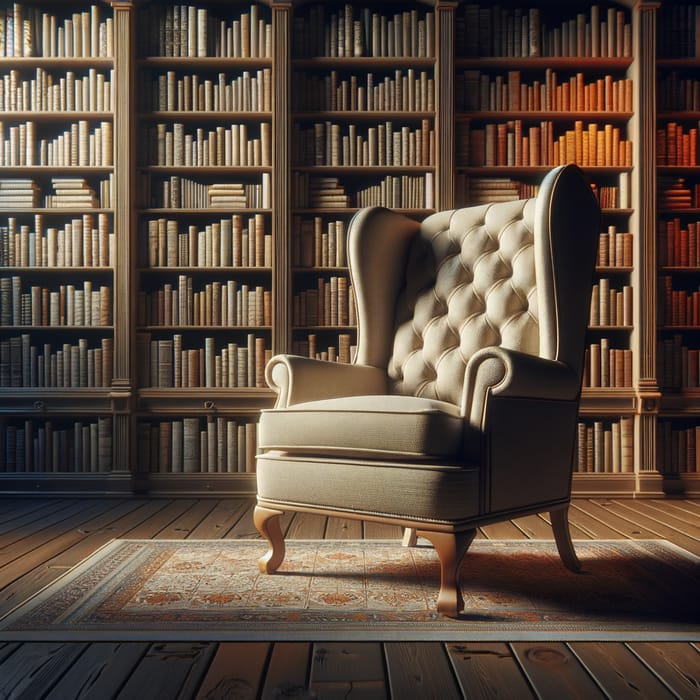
(470, 283)
(506, 274)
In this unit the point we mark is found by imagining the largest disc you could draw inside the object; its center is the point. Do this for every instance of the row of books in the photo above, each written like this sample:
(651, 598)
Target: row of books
(23, 364)
(331, 303)
(398, 91)
(678, 32)
(68, 92)
(677, 93)
(81, 242)
(311, 346)
(66, 306)
(353, 32)
(614, 196)
(677, 449)
(677, 145)
(615, 248)
(605, 447)
(605, 366)
(196, 446)
(399, 192)
(235, 241)
(48, 446)
(178, 192)
(403, 191)
(27, 31)
(326, 143)
(678, 244)
(677, 193)
(678, 365)
(167, 363)
(677, 307)
(478, 91)
(171, 92)
(189, 30)
(495, 30)
(486, 190)
(610, 306)
(514, 144)
(77, 146)
(219, 303)
(172, 145)
(318, 243)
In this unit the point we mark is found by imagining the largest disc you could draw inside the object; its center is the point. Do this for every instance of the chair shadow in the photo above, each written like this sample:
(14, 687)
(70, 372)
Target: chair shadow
(640, 588)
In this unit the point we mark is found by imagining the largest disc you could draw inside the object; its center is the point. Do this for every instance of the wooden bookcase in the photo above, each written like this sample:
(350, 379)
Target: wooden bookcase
(204, 287)
(244, 138)
(59, 249)
(678, 187)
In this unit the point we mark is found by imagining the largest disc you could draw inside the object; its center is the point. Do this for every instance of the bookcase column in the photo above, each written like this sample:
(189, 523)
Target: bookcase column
(281, 211)
(444, 103)
(124, 295)
(648, 394)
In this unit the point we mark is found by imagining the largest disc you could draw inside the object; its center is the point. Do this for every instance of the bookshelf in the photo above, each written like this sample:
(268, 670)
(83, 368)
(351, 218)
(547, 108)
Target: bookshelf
(363, 132)
(58, 248)
(678, 206)
(541, 85)
(179, 178)
(204, 251)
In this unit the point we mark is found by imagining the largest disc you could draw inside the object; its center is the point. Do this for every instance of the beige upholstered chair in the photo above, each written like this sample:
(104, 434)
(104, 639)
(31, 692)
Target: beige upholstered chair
(461, 406)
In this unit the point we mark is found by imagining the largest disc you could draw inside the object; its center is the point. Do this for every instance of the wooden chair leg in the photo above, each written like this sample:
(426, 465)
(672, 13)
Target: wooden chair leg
(451, 548)
(562, 537)
(410, 538)
(267, 522)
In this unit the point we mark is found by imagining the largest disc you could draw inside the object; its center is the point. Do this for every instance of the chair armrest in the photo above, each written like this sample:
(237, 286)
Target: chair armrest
(512, 374)
(525, 407)
(297, 379)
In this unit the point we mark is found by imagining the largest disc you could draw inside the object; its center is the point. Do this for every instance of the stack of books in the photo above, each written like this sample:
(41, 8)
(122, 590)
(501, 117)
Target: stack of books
(228, 195)
(18, 193)
(71, 192)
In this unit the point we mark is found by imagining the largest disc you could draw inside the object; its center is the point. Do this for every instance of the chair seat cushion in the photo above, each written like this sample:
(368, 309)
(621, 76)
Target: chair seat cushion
(391, 427)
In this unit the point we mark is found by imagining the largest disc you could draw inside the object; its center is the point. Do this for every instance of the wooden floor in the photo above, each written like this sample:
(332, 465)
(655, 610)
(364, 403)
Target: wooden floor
(40, 538)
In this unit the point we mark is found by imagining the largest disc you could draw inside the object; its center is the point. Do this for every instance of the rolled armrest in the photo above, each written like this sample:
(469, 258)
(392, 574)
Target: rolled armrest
(297, 379)
(509, 373)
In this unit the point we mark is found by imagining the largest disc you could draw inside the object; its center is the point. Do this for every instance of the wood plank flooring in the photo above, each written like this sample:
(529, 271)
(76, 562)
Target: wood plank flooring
(40, 538)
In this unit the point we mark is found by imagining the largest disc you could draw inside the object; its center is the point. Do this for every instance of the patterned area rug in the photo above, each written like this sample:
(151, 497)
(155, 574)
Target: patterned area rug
(325, 590)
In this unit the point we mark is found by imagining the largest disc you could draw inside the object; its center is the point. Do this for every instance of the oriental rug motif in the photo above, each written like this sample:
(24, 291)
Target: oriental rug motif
(325, 590)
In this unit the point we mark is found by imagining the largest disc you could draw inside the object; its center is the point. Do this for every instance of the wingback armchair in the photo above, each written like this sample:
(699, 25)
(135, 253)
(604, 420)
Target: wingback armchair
(461, 404)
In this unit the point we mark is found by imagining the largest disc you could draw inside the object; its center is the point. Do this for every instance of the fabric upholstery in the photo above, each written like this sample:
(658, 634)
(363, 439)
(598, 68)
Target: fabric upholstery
(413, 490)
(470, 283)
(393, 427)
(470, 344)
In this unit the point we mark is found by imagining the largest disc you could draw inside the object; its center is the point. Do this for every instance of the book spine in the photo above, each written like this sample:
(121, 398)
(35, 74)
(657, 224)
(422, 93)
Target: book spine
(192, 445)
(605, 447)
(44, 446)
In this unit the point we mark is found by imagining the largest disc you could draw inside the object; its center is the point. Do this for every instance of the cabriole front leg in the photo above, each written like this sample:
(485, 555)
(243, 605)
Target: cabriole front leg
(267, 522)
(451, 548)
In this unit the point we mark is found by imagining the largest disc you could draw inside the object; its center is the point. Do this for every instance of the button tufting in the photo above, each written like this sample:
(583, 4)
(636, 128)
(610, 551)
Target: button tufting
(478, 292)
